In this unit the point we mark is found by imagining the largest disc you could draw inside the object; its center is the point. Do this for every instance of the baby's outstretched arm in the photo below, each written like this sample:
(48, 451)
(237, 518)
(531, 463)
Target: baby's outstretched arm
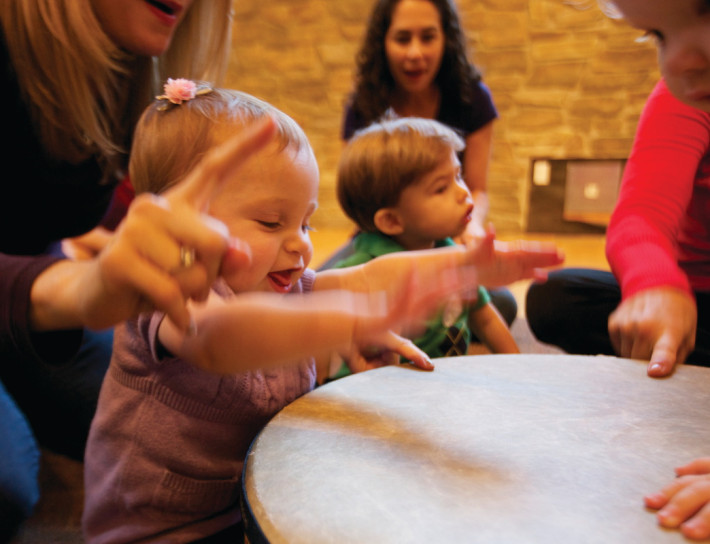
(414, 302)
(258, 330)
(685, 503)
(493, 264)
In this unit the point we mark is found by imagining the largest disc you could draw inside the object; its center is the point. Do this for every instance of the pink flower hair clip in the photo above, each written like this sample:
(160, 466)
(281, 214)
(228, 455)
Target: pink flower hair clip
(178, 91)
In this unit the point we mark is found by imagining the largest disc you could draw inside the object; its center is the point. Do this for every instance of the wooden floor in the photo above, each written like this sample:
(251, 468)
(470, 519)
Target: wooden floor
(580, 250)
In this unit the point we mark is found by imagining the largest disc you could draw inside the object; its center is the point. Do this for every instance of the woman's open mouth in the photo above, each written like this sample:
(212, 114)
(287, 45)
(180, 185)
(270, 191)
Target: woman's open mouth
(165, 7)
(414, 74)
(166, 11)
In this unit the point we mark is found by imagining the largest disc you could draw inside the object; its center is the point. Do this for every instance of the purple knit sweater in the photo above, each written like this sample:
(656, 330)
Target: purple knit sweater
(167, 446)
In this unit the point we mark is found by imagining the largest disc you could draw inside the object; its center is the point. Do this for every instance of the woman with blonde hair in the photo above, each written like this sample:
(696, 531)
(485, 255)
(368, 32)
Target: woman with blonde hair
(77, 74)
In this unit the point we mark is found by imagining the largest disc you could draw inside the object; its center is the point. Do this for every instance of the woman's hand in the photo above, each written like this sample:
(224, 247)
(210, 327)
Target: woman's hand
(86, 246)
(165, 252)
(657, 325)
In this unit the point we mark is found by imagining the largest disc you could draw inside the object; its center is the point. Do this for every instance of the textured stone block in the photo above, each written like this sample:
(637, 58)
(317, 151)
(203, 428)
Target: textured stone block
(567, 81)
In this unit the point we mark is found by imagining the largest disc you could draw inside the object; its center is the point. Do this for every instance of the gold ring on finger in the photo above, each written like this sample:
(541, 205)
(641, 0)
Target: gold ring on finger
(187, 256)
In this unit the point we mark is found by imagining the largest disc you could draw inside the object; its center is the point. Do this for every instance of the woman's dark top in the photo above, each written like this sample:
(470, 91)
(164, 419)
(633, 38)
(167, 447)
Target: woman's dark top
(465, 119)
(43, 200)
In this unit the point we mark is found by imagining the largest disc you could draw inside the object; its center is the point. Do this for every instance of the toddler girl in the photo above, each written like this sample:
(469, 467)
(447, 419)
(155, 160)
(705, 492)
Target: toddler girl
(178, 411)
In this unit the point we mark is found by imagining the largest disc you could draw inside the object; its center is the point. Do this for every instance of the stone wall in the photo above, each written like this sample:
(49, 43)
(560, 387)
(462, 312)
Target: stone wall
(568, 82)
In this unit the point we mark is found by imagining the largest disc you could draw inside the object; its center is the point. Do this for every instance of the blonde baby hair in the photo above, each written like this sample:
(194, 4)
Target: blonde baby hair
(171, 139)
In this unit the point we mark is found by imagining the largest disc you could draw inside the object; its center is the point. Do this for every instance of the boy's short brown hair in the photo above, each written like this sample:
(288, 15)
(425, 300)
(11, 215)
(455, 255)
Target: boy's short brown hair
(380, 161)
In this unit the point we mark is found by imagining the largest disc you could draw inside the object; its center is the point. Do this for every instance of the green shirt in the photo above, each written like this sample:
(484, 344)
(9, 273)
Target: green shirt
(438, 340)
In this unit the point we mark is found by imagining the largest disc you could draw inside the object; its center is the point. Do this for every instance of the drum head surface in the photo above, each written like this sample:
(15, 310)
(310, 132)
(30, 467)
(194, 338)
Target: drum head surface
(490, 449)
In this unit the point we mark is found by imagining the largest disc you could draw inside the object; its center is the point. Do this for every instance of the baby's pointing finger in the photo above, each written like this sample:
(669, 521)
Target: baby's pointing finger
(218, 165)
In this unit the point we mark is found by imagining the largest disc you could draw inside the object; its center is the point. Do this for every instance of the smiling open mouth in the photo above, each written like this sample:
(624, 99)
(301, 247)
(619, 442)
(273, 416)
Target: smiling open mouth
(282, 281)
(281, 278)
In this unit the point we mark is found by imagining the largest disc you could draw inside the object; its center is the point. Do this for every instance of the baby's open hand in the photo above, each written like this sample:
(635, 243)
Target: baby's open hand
(408, 304)
(501, 263)
(388, 350)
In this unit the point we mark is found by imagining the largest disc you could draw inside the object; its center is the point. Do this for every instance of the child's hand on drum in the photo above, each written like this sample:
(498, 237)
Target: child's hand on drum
(685, 503)
(390, 349)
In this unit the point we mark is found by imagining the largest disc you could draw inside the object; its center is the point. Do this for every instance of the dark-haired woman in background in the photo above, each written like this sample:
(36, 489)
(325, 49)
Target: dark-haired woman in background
(413, 63)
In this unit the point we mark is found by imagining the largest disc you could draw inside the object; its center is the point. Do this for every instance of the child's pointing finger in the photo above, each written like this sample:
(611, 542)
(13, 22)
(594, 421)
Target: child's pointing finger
(220, 164)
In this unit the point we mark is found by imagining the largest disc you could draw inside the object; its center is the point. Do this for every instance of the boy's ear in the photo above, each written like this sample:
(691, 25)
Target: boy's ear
(388, 221)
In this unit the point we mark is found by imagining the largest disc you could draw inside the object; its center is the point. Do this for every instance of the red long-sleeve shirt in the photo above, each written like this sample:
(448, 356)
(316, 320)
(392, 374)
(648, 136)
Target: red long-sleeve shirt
(659, 234)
